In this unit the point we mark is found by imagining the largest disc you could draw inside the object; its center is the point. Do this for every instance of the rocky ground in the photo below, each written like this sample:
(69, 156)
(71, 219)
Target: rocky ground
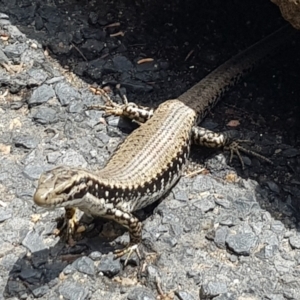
(222, 234)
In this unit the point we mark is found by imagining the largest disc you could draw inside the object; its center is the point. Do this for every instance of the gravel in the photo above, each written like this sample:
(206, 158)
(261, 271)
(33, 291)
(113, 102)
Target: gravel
(221, 234)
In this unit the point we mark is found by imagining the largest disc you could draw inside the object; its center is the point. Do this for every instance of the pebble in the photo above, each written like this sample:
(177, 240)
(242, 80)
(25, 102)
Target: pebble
(109, 266)
(41, 95)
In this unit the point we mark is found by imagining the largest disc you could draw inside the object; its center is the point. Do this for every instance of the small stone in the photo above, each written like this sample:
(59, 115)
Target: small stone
(95, 255)
(227, 220)
(40, 291)
(93, 17)
(291, 152)
(33, 242)
(4, 16)
(33, 172)
(141, 293)
(55, 80)
(273, 187)
(84, 265)
(183, 295)
(75, 107)
(204, 204)
(72, 158)
(277, 227)
(38, 75)
(5, 214)
(241, 243)
(53, 156)
(295, 241)
(109, 266)
(69, 270)
(212, 289)
(122, 63)
(3, 57)
(66, 93)
(30, 274)
(41, 95)
(180, 195)
(45, 115)
(230, 296)
(223, 202)
(104, 138)
(25, 141)
(15, 50)
(92, 48)
(220, 237)
(73, 291)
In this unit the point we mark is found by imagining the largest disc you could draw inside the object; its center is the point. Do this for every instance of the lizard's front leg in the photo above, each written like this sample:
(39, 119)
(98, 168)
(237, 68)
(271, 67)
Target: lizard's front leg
(69, 225)
(130, 110)
(134, 226)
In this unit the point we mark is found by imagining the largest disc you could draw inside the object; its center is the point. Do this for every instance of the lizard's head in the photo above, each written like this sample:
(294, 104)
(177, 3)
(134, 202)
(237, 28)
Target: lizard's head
(56, 187)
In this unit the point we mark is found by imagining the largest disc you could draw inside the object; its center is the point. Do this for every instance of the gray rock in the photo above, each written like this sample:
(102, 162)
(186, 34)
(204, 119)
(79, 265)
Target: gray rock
(55, 79)
(41, 95)
(53, 156)
(229, 296)
(212, 289)
(109, 266)
(180, 195)
(95, 255)
(5, 214)
(4, 16)
(122, 63)
(45, 115)
(75, 106)
(291, 152)
(223, 202)
(40, 291)
(73, 291)
(15, 50)
(241, 243)
(72, 158)
(220, 237)
(33, 172)
(273, 187)
(228, 220)
(102, 137)
(66, 93)
(183, 295)
(84, 265)
(25, 141)
(3, 57)
(33, 242)
(295, 241)
(31, 275)
(141, 293)
(38, 75)
(205, 204)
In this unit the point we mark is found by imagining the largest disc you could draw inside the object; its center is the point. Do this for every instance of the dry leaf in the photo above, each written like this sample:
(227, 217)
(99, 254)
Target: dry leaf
(233, 123)
(5, 149)
(35, 218)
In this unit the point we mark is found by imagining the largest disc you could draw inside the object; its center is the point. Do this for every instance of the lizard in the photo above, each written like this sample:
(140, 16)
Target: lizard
(151, 159)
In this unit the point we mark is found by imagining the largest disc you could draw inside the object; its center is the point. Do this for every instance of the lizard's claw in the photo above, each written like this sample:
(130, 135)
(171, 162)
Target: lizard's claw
(127, 250)
(236, 148)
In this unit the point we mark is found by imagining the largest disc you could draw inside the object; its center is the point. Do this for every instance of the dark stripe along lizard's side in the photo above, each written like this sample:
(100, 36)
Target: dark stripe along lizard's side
(151, 159)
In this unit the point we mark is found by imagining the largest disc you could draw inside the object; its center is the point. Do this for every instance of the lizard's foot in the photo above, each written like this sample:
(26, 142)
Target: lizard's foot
(127, 250)
(70, 226)
(236, 148)
(137, 113)
(110, 107)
